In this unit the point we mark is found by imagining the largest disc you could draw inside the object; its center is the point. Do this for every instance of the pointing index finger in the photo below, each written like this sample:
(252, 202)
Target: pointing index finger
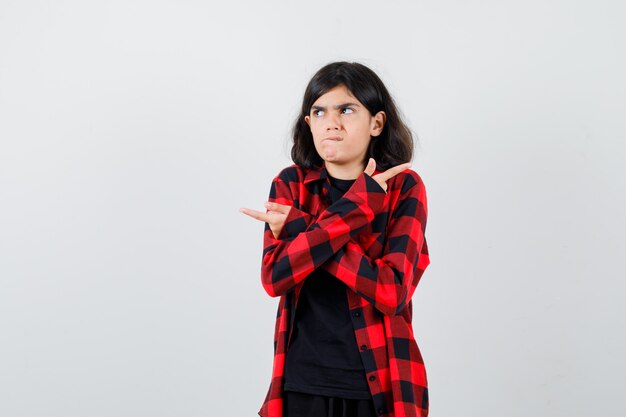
(255, 214)
(395, 170)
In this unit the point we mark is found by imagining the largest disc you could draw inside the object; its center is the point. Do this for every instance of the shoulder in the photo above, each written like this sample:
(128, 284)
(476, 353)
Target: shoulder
(407, 195)
(407, 182)
(296, 174)
(291, 173)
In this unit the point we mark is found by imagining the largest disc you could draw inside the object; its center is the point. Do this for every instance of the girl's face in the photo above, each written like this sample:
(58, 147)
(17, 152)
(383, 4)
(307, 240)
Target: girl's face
(342, 127)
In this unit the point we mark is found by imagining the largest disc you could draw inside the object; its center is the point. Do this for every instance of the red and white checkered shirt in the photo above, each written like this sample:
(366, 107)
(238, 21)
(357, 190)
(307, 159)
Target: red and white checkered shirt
(371, 240)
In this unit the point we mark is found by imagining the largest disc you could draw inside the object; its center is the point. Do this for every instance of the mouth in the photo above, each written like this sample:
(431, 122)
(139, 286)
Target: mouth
(333, 138)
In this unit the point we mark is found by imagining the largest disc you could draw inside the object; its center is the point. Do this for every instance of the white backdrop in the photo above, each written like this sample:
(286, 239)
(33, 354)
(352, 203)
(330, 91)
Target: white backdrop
(132, 131)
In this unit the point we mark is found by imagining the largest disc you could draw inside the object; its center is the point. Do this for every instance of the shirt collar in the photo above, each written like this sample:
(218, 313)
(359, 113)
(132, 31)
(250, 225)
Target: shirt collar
(320, 173)
(316, 173)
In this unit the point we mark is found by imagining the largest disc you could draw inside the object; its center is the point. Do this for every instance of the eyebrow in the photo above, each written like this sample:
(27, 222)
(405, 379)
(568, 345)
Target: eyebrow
(338, 106)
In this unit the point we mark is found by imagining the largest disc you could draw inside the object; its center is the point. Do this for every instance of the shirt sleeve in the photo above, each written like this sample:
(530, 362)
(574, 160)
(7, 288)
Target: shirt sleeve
(389, 281)
(297, 220)
(290, 258)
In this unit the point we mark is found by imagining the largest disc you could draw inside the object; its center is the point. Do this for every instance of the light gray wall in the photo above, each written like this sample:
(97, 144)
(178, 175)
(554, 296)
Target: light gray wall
(132, 131)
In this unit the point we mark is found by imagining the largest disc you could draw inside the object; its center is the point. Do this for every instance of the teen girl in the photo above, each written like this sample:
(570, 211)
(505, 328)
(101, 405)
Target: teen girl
(344, 249)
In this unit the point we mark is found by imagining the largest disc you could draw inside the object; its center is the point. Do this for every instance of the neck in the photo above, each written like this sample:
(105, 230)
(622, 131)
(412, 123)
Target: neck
(345, 171)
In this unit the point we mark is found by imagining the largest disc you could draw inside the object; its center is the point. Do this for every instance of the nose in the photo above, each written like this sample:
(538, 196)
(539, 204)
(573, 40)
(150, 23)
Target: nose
(333, 122)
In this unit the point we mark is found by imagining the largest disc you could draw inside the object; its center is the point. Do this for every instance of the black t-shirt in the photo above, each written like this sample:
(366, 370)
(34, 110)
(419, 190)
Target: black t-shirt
(323, 357)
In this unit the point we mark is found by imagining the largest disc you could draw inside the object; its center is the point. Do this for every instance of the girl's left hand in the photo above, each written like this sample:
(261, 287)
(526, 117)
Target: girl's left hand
(275, 217)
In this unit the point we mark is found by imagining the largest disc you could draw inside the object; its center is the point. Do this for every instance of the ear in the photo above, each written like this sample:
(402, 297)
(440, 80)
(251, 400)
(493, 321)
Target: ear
(307, 119)
(378, 123)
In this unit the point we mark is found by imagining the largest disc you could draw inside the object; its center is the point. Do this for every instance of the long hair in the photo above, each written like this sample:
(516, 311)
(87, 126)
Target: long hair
(392, 147)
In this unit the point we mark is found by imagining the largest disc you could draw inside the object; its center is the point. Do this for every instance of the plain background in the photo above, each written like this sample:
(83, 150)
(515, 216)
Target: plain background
(132, 131)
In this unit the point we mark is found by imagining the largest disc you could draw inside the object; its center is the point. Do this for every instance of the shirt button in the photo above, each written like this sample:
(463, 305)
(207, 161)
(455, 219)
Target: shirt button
(356, 314)
(372, 378)
(380, 411)
(363, 347)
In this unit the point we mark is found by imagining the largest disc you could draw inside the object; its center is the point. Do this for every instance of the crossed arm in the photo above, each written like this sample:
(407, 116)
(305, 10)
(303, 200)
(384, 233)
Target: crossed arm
(387, 282)
(306, 243)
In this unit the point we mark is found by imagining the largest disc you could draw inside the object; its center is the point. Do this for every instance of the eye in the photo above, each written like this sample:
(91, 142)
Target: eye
(315, 112)
(348, 108)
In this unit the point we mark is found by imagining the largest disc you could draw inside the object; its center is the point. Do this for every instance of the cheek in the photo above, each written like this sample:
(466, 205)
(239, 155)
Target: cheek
(316, 130)
(360, 133)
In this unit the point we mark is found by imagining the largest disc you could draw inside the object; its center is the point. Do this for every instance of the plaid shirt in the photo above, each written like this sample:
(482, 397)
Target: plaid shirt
(371, 240)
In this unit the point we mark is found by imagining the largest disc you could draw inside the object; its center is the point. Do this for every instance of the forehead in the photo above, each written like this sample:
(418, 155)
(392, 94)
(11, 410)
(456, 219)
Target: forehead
(336, 95)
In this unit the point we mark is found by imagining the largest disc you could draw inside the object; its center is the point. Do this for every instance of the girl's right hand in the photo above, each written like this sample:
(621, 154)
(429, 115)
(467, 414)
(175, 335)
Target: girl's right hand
(384, 176)
(275, 217)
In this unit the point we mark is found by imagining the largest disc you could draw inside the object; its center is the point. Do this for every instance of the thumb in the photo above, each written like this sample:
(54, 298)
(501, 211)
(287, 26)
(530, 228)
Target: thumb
(279, 208)
(371, 166)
